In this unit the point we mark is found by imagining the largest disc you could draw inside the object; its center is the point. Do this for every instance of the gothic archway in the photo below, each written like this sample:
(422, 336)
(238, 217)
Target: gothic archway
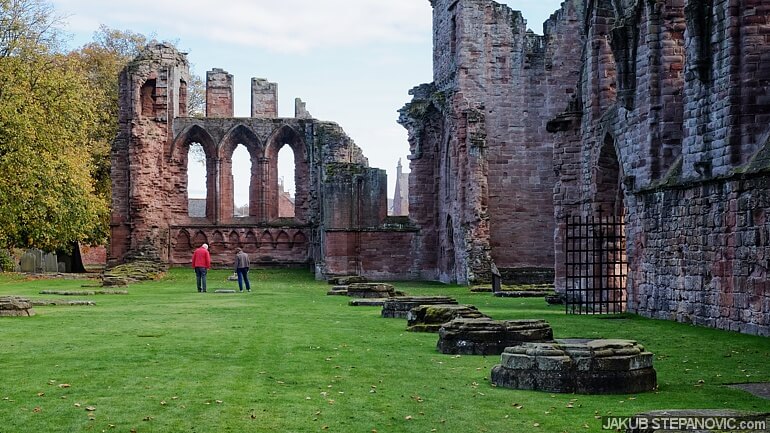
(286, 136)
(240, 135)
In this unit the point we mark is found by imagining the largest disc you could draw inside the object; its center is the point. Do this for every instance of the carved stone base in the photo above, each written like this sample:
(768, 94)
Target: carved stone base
(577, 366)
(399, 306)
(484, 336)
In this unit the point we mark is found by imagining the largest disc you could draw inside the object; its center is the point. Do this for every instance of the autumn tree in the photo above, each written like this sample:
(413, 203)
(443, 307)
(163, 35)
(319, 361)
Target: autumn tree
(47, 197)
(103, 59)
(58, 117)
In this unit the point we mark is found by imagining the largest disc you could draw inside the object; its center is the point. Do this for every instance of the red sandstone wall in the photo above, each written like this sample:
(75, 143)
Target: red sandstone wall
(485, 163)
(149, 163)
(219, 94)
(696, 227)
(93, 256)
(264, 98)
(378, 255)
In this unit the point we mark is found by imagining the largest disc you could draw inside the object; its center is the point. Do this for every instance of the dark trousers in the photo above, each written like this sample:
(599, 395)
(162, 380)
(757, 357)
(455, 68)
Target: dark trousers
(200, 278)
(243, 275)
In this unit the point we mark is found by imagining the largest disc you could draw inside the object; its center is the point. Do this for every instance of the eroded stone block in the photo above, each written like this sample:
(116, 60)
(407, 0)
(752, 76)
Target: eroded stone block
(485, 336)
(399, 306)
(15, 306)
(430, 318)
(577, 366)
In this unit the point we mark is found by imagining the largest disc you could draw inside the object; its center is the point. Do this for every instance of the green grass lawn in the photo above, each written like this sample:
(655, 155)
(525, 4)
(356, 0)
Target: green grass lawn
(288, 358)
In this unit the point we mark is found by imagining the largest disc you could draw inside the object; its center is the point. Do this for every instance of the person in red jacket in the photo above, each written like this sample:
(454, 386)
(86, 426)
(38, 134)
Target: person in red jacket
(201, 262)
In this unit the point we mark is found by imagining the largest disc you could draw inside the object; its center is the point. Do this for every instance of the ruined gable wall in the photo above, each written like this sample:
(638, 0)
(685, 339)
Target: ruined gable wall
(150, 211)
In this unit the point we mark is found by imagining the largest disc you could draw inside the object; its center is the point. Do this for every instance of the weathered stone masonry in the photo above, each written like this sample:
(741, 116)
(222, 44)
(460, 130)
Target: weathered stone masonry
(339, 226)
(479, 146)
(671, 131)
(654, 111)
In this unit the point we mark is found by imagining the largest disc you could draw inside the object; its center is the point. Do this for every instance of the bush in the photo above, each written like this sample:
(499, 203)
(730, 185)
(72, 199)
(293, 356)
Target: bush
(6, 261)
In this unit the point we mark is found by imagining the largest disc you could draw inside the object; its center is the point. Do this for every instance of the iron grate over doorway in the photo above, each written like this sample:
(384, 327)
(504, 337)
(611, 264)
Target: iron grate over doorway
(596, 265)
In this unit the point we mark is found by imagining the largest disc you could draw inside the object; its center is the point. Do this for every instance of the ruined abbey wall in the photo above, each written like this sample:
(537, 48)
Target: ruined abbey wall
(478, 139)
(336, 191)
(671, 132)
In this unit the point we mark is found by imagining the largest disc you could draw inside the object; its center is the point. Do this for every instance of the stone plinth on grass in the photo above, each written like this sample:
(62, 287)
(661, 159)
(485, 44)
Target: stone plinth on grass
(485, 336)
(15, 306)
(346, 280)
(371, 290)
(66, 302)
(577, 366)
(430, 318)
(367, 302)
(399, 306)
(364, 290)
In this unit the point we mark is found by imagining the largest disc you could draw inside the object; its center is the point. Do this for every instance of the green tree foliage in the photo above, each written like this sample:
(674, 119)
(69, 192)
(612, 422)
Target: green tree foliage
(103, 60)
(47, 197)
(58, 118)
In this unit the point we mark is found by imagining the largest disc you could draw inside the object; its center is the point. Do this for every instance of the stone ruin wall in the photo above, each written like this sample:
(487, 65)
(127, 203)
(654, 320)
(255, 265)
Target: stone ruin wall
(478, 139)
(672, 132)
(336, 192)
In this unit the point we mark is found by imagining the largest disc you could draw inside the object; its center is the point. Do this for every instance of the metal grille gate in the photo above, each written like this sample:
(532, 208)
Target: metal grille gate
(595, 265)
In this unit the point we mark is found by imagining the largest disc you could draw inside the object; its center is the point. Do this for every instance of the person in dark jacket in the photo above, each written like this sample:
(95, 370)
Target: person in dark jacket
(201, 262)
(242, 269)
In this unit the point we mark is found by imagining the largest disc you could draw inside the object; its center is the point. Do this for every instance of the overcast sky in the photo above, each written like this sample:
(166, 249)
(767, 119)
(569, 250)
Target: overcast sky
(351, 61)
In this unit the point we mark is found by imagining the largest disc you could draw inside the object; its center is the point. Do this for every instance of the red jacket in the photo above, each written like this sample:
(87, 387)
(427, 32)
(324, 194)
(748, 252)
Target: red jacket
(201, 258)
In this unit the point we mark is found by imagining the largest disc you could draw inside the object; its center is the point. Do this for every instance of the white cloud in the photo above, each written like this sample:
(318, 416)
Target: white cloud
(282, 26)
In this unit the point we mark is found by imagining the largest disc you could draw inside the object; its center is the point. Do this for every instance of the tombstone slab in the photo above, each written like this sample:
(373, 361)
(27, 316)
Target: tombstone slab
(430, 318)
(399, 306)
(484, 336)
(15, 306)
(577, 366)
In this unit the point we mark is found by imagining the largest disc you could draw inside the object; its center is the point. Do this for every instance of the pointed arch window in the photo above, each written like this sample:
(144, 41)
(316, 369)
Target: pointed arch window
(197, 188)
(242, 174)
(286, 182)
